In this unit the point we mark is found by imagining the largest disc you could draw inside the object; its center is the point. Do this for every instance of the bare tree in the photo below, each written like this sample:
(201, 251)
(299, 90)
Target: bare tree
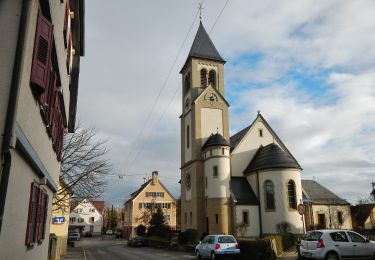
(83, 166)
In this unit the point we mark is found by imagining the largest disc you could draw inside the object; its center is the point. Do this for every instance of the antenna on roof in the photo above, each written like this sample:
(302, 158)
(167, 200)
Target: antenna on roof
(258, 112)
(200, 10)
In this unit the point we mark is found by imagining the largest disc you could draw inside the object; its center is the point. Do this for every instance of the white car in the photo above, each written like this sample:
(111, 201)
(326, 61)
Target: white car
(109, 232)
(213, 246)
(331, 244)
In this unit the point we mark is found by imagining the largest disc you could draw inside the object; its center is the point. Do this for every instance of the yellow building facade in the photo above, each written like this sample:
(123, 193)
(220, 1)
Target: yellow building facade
(144, 202)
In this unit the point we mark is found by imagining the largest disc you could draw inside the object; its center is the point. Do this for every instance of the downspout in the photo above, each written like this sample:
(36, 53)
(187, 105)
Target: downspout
(6, 157)
(259, 208)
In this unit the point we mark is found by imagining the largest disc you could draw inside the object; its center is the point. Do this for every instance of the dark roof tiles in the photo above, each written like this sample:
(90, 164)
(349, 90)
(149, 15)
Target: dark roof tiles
(242, 191)
(215, 140)
(318, 194)
(271, 156)
(203, 47)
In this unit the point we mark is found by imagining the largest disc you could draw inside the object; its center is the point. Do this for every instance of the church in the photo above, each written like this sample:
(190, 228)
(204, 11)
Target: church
(245, 184)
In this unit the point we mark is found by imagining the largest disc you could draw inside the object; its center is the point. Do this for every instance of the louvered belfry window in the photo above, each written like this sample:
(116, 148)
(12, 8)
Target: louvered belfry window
(42, 53)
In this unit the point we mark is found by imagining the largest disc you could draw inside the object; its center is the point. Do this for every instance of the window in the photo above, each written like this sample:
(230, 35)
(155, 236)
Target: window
(37, 216)
(206, 181)
(191, 217)
(215, 171)
(245, 217)
(292, 195)
(167, 218)
(223, 151)
(338, 237)
(80, 220)
(79, 210)
(322, 221)
(356, 238)
(185, 218)
(92, 219)
(217, 218)
(92, 210)
(270, 195)
(210, 152)
(72, 219)
(42, 54)
(340, 218)
(187, 137)
(260, 132)
(203, 78)
(187, 83)
(212, 78)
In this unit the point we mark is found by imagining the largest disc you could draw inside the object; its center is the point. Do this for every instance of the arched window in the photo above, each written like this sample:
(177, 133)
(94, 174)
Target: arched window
(203, 78)
(269, 195)
(187, 137)
(187, 83)
(292, 195)
(212, 78)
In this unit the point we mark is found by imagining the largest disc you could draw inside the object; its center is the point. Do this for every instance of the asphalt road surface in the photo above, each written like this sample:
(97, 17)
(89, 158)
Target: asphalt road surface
(97, 249)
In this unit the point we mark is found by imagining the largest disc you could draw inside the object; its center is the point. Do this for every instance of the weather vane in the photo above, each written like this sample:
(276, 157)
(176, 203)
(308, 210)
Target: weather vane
(200, 10)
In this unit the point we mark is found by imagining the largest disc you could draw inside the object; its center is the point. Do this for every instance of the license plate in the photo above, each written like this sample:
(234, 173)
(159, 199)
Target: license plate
(307, 254)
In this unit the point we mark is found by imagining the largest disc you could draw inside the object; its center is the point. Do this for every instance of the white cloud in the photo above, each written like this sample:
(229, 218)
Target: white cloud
(129, 54)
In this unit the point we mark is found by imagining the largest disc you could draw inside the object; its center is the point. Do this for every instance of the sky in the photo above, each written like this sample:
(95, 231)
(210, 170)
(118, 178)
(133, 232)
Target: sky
(307, 65)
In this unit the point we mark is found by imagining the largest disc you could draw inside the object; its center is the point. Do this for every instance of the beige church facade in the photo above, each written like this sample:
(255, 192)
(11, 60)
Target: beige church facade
(243, 184)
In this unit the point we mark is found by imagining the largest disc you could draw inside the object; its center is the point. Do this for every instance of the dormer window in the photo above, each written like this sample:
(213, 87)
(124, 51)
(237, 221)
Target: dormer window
(212, 78)
(203, 78)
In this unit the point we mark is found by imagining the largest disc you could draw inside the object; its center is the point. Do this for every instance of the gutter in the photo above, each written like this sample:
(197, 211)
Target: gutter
(6, 157)
(259, 208)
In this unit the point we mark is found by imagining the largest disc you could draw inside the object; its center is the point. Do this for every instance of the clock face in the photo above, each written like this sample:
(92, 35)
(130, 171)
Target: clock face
(211, 98)
(187, 103)
(188, 181)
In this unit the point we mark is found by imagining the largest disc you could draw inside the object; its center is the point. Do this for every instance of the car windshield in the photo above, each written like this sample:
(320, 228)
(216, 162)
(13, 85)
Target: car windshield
(312, 236)
(226, 239)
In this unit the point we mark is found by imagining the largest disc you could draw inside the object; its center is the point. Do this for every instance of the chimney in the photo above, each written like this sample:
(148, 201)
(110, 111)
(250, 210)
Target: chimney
(155, 177)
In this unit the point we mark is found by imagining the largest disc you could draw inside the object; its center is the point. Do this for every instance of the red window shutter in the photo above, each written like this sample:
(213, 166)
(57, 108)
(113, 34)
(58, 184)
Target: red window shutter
(51, 104)
(39, 216)
(30, 229)
(44, 215)
(42, 53)
(67, 15)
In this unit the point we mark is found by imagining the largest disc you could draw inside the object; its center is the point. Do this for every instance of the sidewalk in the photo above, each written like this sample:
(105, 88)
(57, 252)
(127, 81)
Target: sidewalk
(75, 253)
(289, 254)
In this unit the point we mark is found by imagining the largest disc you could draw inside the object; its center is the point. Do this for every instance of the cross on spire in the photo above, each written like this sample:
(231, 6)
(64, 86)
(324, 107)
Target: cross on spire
(200, 10)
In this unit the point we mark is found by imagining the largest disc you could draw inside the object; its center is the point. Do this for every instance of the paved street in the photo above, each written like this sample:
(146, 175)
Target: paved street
(95, 248)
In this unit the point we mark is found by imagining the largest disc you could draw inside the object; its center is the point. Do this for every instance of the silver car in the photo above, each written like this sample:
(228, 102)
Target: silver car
(213, 246)
(333, 244)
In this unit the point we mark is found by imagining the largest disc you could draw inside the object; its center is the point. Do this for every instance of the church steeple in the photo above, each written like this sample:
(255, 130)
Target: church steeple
(203, 47)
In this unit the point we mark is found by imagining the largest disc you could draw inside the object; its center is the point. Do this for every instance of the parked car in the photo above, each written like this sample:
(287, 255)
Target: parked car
(119, 234)
(136, 241)
(336, 244)
(75, 236)
(214, 246)
(109, 232)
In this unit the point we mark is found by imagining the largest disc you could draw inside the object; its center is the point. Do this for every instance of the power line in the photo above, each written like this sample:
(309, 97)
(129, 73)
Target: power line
(161, 90)
(176, 90)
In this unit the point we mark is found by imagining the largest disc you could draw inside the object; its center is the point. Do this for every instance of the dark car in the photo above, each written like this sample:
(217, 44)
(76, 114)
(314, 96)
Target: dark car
(119, 234)
(136, 241)
(74, 236)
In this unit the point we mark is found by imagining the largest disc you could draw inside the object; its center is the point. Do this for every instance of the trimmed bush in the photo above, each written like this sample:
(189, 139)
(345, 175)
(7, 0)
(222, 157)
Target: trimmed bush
(188, 236)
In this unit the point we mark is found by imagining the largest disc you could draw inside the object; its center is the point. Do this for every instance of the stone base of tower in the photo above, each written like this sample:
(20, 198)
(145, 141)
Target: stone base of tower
(218, 216)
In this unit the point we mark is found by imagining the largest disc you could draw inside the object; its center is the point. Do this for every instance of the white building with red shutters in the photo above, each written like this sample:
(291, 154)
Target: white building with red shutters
(40, 48)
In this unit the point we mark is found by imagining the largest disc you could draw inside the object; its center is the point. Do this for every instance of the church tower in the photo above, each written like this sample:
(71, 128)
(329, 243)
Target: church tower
(205, 114)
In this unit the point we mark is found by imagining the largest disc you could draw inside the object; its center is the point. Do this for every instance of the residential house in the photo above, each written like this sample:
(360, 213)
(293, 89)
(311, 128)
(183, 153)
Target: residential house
(323, 208)
(41, 44)
(59, 220)
(363, 216)
(144, 201)
(87, 217)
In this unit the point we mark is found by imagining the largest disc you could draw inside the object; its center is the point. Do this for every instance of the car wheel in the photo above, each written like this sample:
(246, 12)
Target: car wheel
(332, 256)
(198, 254)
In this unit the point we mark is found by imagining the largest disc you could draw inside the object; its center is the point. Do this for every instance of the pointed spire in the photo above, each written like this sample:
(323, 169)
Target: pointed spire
(203, 47)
